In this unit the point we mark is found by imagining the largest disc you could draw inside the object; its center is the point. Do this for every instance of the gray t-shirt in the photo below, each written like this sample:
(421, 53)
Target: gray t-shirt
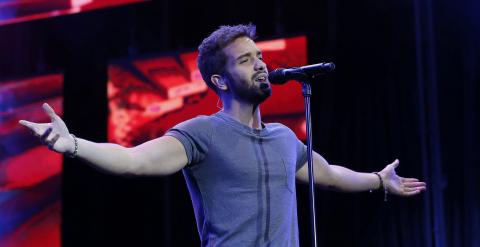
(241, 180)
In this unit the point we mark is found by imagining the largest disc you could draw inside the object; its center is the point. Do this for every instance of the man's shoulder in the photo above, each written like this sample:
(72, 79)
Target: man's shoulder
(279, 128)
(200, 121)
(276, 125)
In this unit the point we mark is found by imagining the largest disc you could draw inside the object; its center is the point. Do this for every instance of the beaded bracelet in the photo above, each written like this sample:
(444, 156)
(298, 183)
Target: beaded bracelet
(382, 185)
(75, 151)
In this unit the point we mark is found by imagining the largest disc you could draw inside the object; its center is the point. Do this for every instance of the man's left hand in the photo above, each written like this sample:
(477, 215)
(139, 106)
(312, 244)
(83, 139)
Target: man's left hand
(399, 185)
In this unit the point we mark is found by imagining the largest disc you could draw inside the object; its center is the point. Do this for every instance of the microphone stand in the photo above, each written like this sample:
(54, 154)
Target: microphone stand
(307, 93)
(305, 80)
(304, 75)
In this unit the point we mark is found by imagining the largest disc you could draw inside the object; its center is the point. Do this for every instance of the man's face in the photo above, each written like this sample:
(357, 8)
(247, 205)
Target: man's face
(245, 71)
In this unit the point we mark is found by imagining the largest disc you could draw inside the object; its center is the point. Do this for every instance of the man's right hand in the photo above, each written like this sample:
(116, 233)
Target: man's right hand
(54, 134)
(161, 156)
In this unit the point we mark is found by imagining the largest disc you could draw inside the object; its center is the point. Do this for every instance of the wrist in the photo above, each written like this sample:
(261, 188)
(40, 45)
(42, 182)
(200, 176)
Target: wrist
(74, 148)
(382, 185)
(380, 181)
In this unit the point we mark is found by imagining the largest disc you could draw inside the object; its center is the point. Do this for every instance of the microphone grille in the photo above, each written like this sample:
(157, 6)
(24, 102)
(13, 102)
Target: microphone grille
(277, 76)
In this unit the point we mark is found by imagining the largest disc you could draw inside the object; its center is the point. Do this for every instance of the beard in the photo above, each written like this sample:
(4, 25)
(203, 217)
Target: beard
(249, 91)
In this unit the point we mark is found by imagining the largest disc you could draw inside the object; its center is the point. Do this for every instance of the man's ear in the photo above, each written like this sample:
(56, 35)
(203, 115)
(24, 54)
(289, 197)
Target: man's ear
(219, 82)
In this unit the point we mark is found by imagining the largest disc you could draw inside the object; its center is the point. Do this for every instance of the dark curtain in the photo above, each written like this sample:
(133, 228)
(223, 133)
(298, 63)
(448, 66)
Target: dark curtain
(406, 86)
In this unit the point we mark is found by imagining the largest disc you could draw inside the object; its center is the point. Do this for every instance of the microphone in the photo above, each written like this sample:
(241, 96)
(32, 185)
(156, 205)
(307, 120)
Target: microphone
(281, 75)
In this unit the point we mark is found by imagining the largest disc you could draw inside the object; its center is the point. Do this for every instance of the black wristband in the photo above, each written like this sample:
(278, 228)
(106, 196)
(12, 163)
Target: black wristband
(382, 186)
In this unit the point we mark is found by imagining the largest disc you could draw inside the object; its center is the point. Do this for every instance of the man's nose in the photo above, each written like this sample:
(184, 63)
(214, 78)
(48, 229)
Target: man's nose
(260, 64)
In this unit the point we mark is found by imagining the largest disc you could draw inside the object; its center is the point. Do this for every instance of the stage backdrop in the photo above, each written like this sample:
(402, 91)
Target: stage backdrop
(149, 95)
(14, 11)
(29, 172)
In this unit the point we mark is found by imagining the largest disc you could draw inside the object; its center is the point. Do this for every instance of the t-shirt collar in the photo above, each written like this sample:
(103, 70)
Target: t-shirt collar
(235, 123)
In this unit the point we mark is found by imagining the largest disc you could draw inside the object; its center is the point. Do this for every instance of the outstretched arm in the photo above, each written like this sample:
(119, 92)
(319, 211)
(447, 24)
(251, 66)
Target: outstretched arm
(343, 179)
(161, 156)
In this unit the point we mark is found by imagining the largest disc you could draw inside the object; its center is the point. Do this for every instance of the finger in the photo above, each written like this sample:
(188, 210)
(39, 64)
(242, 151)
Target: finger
(415, 184)
(28, 124)
(410, 189)
(50, 112)
(419, 189)
(415, 188)
(51, 143)
(395, 163)
(55, 139)
(51, 138)
(406, 180)
(412, 193)
(33, 127)
(44, 136)
(37, 129)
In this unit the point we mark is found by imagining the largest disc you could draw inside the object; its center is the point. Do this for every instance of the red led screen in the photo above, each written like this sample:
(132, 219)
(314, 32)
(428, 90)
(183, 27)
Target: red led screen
(148, 96)
(14, 11)
(29, 172)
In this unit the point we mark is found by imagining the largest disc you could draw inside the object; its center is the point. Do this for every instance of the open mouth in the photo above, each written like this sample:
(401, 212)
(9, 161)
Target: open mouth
(261, 78)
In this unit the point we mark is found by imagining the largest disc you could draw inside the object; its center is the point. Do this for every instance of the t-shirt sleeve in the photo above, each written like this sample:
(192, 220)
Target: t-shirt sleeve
(301, 154)
(195, 135)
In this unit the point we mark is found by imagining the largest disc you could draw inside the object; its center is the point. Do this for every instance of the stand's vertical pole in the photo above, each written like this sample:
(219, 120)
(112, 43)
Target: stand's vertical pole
(307, 92)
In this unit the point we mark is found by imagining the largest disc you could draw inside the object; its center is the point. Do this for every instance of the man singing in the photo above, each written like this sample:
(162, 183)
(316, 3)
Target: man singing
(240, 171)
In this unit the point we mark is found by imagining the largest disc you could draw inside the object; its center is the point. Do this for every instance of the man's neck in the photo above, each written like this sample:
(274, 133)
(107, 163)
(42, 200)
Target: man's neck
(243, 112)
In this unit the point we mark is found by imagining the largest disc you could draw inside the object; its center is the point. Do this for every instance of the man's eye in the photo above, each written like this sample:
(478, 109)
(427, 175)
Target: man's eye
(243, 61)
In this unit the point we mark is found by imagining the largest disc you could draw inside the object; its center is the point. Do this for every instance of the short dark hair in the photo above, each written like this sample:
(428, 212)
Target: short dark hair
(211, 59)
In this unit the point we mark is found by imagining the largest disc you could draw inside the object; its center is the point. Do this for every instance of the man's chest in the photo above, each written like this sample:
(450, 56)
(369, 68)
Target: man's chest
(251, 163)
